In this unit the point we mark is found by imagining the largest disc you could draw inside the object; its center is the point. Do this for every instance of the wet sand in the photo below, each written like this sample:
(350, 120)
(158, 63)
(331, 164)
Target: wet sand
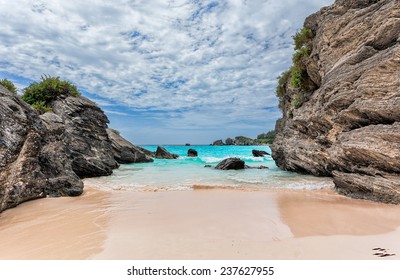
(200, 224)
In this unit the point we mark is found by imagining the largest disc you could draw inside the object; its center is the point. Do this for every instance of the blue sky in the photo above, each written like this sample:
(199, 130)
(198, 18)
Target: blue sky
(165, 72)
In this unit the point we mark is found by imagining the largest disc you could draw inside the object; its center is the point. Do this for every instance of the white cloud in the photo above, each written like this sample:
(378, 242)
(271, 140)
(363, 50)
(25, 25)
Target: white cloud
(195, 61)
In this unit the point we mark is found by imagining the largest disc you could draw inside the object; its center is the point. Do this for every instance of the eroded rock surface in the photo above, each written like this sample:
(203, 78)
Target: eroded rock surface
(162, 153)
(86, 140)
(231, 163)
(33, 161)
(126, 152)
(350, 126)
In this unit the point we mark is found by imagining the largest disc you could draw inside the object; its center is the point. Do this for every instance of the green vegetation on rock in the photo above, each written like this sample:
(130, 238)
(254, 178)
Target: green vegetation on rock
(293, 85)
(266, 138)
(39, 95)
(8, 85)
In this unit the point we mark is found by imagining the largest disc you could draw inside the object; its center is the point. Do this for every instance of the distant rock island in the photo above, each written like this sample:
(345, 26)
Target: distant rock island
(262, 139)
(341, 100)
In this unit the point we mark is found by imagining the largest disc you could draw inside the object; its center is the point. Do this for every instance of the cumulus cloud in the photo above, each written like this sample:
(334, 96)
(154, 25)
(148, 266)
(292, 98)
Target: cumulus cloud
(180, 63)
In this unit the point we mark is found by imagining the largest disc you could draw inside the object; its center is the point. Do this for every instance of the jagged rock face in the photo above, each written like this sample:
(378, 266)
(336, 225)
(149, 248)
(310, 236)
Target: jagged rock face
(33, 163)
(86, 140)
(349, 128)
(126, 152)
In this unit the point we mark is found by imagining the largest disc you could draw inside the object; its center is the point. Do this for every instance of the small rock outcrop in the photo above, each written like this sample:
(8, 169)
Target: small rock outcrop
(192, 153)
(258, 153)
(162, 153)
(345, 119)
(218, 143)
(126, 152)
(231, 163)
(229, 141)
(33, 159)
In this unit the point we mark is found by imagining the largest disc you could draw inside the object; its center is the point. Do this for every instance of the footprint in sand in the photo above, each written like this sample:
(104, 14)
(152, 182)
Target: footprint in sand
(382, 253)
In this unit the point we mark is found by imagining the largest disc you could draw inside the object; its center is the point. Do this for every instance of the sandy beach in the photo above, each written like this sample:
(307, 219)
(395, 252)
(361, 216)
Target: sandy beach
(201, 224)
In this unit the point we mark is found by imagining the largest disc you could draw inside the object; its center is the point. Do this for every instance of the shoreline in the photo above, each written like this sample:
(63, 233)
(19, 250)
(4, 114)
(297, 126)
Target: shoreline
(203, 223)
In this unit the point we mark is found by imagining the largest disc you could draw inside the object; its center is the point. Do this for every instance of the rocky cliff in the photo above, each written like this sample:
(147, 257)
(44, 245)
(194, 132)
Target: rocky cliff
(46, 155)
(86, 139)
(347, 122)
(33, 160)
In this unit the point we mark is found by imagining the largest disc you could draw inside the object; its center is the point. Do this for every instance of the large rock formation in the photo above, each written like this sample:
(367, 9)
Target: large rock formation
(86, 140)
(47, 155)
(33, 160)
(349, 125)
(126, 152)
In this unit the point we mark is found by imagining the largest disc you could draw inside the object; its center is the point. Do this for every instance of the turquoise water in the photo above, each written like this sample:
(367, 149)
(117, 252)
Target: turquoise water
(185, 172)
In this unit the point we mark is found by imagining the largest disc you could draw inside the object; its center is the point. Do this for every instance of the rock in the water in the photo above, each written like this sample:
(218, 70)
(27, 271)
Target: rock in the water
(207, 166)
(126, 152)
(258, 153)
(218, 143)
(348, 126)
(33, 160)
(162, 153)
(187, 144)
(86, 140)
(256, 167)
(262, 167)
(231, 163)
(192, 153)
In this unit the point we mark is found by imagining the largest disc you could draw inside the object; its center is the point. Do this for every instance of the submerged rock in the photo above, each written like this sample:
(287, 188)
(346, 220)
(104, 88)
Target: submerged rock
(162, 153)
(349, 125)
(256, 167)
(126, 152)
(192, 153)
(231, 163)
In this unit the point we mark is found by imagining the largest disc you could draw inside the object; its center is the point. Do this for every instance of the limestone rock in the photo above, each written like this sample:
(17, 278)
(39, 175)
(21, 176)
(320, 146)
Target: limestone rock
(162, 153)
(349, 126)
(33, 160)
(86, 140)
(231, 163)
(126, 152)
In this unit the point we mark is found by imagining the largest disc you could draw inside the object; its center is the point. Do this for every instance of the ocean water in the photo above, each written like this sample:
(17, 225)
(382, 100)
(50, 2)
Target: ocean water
(185, 172)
